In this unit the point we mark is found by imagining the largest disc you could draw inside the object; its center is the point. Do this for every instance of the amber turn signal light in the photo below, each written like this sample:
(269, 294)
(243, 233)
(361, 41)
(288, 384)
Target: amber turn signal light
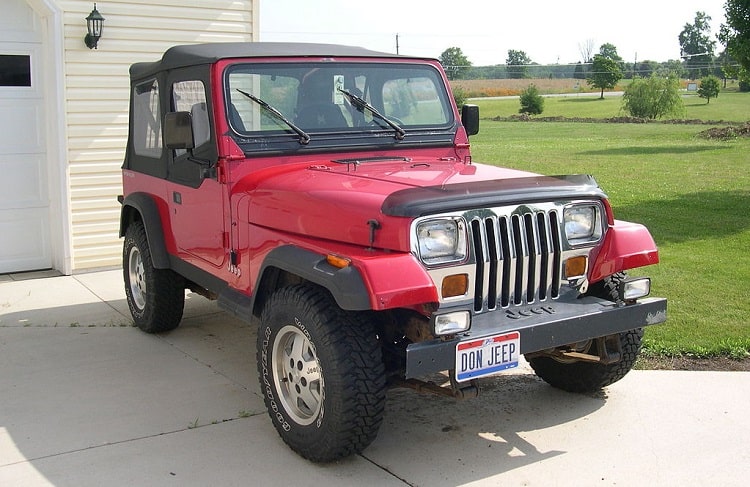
(338, 262)
(575, 266)
(455, 285)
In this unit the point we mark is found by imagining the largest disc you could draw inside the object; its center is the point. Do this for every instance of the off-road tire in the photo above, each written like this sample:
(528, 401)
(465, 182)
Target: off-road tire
(156, 297)
(321, 372)
(589, 376)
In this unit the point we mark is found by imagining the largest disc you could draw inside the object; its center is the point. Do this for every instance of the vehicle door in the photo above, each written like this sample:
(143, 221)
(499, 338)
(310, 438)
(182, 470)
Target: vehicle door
(195, 196)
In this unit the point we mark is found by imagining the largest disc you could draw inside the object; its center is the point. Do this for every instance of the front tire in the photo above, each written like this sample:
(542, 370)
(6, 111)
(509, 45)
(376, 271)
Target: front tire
(578, 376)
(322, 374)
(156, 297)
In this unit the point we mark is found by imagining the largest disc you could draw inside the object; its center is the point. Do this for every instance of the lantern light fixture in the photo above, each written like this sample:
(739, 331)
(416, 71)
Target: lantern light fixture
(94, 24)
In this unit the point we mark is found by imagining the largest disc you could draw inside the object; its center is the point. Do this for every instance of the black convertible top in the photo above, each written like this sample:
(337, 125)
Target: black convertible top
(196, 54)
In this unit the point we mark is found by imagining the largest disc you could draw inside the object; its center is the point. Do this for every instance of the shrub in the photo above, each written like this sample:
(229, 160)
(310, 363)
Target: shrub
(532, 102)
(653, 97)
(459, 95)
(709, 88)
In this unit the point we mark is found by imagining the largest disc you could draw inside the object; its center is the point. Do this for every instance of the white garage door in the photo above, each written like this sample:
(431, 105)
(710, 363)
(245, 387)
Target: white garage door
(24, 191)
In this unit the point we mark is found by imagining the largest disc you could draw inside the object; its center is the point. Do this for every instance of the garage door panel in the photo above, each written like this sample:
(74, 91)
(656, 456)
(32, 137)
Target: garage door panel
(18, 22)
(24, 239)
(28, 185)
(22, 127)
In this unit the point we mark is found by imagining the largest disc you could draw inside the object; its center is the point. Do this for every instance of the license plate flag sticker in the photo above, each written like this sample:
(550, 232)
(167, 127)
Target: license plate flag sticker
(486, 356)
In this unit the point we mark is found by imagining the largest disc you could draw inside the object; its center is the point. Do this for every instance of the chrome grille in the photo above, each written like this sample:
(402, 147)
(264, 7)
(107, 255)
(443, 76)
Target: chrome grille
(517, 258)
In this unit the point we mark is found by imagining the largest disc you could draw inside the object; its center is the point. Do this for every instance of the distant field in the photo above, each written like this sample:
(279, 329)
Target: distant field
(729, 106)
(692, 193)
(511, 87)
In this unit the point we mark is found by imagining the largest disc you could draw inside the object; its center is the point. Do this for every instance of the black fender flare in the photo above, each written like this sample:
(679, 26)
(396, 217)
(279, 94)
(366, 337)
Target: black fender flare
(144, 205)
(346, 285)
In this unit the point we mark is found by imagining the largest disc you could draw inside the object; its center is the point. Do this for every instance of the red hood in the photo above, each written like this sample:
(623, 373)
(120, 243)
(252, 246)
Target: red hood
(335, 200)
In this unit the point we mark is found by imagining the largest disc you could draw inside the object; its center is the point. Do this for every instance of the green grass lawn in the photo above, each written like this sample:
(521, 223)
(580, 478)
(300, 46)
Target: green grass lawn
(692, 193)
(729, 106)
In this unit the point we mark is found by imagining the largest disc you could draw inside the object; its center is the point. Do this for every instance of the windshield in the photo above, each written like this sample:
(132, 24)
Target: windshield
(316, 97)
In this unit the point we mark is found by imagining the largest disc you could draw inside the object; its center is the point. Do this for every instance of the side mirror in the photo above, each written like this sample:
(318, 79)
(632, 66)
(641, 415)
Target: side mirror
(178, 130)
(470, 119)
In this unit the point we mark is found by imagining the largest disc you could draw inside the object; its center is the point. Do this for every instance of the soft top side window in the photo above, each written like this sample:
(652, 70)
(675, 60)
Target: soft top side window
(146, 129)
(190, 96)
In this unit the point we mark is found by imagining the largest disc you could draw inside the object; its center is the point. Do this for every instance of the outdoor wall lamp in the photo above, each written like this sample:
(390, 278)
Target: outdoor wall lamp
(94, 24)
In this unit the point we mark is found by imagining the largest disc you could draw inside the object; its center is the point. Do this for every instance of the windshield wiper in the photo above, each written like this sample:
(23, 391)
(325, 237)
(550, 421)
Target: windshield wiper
(362, 105)
(304, 138)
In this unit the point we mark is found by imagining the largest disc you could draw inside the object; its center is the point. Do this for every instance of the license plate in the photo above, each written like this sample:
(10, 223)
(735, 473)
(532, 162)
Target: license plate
(486, 356)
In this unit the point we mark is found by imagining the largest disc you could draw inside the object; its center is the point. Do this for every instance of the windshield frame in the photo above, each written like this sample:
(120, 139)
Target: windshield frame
(282, 138)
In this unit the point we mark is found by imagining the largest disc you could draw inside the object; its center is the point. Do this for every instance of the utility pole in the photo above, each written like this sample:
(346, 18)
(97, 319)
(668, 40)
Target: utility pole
(396, 43)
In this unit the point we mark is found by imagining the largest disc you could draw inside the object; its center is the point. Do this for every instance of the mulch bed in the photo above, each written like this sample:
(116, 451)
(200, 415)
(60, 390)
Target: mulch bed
(722, 364)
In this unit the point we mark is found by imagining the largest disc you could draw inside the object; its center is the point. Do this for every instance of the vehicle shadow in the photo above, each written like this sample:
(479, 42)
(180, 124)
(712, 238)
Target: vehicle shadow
(460, 441)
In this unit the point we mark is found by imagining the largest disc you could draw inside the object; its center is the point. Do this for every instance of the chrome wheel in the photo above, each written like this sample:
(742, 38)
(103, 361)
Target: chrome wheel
(297, 375)
(137, 278)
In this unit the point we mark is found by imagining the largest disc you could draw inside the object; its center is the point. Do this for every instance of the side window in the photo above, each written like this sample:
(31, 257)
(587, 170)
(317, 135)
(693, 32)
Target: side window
(190, 96)
(146, 131)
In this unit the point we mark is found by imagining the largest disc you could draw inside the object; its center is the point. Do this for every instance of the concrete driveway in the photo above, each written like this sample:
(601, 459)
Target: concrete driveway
(86, 399)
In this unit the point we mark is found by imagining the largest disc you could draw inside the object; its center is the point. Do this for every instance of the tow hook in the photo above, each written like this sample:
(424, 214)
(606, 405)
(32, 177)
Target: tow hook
(609, 348)
(460, 391)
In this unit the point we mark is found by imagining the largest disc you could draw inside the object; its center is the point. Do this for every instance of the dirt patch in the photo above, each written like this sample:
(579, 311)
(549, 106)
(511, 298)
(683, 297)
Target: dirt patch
(722, 364)
(726, 133)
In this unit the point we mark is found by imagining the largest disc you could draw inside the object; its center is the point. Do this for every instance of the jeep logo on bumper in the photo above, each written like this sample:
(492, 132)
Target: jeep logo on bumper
(517, 314)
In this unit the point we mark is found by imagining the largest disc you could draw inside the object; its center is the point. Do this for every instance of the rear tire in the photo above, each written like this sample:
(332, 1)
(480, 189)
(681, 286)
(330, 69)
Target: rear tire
(588, 376)
(156, 297)
(322, 374)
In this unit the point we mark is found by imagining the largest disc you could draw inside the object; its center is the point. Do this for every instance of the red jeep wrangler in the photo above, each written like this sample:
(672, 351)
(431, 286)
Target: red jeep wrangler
(328, 193)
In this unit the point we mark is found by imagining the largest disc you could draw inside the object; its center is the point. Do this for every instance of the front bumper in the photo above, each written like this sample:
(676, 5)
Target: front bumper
(542, 326)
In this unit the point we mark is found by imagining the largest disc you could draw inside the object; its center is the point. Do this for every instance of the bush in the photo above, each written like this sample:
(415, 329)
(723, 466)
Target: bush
(709, 88)
(653, 98)
(459, 95)
(532, 102)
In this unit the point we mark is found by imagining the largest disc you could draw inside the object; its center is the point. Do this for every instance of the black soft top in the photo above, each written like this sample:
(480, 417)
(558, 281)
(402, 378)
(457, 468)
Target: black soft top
(197, 54)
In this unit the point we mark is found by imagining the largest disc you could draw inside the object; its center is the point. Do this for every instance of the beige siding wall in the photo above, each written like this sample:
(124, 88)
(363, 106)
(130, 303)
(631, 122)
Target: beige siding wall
(96, 98)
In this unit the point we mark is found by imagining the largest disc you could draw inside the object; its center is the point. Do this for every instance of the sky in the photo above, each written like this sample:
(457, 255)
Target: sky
(548, 31)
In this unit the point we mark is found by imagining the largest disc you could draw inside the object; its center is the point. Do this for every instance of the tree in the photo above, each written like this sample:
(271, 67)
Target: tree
(646, 68)
(531, 101)
(653, 97)
(696, 46)
(454, 62)
(586, 49)
(672, 68)
(709, 88)
(610, 51)
(605, 73)
(518, 64)
(735, 35)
